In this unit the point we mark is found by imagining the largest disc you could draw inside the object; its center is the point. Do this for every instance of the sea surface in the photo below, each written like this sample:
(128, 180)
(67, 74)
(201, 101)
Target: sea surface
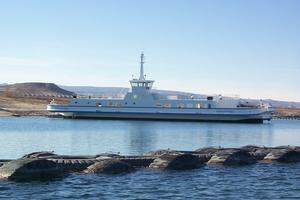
(19, 136)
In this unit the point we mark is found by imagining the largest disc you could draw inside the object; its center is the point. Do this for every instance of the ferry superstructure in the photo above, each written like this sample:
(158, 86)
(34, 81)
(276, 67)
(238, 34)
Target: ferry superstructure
(143, 103)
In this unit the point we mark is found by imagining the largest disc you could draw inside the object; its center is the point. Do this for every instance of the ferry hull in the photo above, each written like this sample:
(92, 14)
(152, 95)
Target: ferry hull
(257, 118)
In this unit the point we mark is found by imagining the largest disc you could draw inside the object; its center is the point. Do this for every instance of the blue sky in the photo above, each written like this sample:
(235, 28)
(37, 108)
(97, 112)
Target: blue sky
(248, 48)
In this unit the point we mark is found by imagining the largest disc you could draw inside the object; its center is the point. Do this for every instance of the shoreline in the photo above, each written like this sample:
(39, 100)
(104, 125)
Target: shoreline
(36, 106)
(45, 113)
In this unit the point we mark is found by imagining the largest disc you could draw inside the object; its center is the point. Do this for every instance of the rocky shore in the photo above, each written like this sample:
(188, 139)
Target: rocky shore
(47, 165)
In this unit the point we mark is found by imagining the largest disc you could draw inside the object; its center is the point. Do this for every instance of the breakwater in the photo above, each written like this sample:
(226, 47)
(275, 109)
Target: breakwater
(47, 165)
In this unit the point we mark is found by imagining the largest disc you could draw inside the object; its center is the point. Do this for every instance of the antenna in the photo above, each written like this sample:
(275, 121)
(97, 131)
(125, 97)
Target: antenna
(142, 67)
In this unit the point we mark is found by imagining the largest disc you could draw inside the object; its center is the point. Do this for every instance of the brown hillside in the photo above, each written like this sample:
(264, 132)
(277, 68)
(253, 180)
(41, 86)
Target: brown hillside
(30, 98)
(34, 90)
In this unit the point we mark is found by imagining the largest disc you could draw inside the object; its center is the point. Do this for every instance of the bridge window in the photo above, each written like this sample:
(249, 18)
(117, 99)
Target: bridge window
(134, 84)
(146, 85)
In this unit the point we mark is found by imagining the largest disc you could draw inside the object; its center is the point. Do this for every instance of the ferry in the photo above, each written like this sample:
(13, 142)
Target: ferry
(141, 102)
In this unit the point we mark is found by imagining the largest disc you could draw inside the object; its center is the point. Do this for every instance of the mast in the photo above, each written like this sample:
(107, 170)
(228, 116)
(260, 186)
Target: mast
(142, 77)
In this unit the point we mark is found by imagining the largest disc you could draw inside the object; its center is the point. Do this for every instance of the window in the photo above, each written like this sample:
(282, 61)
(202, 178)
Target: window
(210, 98)
(158, 105)
(180, 105)
(209, 105)
(167, 105)
(189, 105)
(134, 84)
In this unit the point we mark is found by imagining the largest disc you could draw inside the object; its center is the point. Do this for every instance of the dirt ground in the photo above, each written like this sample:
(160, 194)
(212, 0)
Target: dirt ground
(26, 105)
(285, 112)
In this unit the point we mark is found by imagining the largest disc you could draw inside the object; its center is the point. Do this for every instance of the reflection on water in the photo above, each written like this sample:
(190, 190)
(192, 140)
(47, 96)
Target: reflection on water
(261, 181)
(140, 139)
(26, 134)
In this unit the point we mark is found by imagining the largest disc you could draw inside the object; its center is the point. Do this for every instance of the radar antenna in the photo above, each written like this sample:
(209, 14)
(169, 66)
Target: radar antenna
(142, 77)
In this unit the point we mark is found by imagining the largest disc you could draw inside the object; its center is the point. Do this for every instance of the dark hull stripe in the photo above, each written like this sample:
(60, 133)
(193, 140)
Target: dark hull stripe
(255, 118)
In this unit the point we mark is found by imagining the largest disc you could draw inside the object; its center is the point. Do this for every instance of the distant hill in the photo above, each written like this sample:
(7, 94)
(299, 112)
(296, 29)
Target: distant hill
(120, 92)
(51, 90)
(275, 103)
(97, 91)
(34, 89)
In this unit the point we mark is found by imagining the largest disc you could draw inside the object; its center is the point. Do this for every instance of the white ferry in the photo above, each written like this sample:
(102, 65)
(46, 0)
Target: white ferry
(143, 103)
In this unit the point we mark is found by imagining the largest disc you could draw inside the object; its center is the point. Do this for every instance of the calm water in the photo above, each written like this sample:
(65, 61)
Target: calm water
(277, 181)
